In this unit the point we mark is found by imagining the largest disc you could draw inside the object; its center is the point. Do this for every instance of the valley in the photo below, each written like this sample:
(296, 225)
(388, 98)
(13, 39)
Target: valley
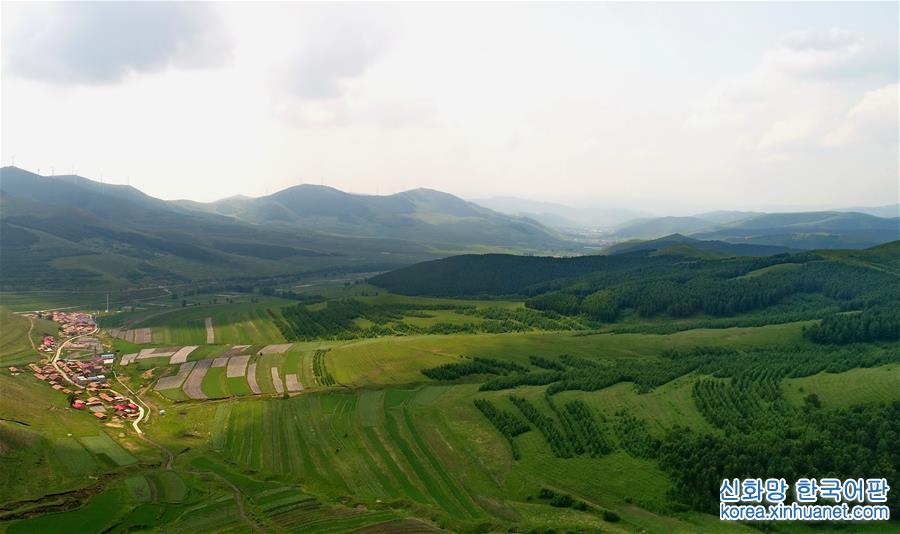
(365, 412)
(449, 267)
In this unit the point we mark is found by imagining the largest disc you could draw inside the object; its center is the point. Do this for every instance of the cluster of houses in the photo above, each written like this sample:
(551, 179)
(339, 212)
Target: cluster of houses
(47, 373)
(105, 403)
(89, 343)
(48, 344)
(90, 377)
(70, 324)
(87, 374)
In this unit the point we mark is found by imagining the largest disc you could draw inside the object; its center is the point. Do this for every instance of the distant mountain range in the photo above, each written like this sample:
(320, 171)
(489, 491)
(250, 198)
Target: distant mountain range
(70, 231)
(420, 215)
(64, 231)
(679, 245)
(802, 230)
(558, 215)
(858, 227)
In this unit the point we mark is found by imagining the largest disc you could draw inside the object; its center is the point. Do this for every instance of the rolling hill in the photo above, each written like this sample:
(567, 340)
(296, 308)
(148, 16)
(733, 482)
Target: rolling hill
(421, 215)
(800, 230)
(69, 231)
(678, 244)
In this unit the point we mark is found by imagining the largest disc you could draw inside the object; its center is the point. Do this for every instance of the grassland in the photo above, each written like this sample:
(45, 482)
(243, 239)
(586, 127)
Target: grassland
(850, 388)
(399, 360)
(46, 447)
(381, 448)
(18, 337)
(429, 449)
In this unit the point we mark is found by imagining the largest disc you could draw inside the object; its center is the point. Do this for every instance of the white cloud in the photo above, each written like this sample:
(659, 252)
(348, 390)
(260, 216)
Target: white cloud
(787, 132)
(874, 119)
(102, 42)
(481, 99)
(795, 93)
(832, 53)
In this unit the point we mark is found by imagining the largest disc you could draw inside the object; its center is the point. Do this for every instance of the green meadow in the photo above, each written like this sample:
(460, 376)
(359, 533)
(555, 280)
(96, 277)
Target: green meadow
(371, 443)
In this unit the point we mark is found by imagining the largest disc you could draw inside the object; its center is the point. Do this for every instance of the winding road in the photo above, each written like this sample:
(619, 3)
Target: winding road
(54, 362)
(142, 411)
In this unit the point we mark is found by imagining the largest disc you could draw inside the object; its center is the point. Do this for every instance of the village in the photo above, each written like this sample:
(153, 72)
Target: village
(82, 375)
(70, 324)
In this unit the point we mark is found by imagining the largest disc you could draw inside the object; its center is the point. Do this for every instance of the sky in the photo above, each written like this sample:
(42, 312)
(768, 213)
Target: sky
(663, 107)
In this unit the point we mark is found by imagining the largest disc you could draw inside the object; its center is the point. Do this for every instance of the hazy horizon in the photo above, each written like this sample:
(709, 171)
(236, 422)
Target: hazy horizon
(637, 211)
(670, 109)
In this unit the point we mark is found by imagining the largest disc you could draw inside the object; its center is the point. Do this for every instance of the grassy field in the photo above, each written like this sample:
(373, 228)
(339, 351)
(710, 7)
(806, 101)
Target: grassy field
(384, 448)
(46, 447)
(429, 447)
(15, 346)
(857, 386)
(399, 360)
(88, 300)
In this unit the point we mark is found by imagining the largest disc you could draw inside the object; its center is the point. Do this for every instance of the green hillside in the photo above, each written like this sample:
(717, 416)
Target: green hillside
(122, 237)
(644, 286)
(800, 230)
(578, 429)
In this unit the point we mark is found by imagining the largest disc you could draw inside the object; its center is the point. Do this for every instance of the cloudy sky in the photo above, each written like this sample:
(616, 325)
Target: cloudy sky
(664, 107)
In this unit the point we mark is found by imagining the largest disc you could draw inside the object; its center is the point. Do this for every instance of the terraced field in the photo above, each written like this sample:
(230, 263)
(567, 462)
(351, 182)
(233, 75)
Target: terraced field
(427, 448)
(233, 370)
(321, 439)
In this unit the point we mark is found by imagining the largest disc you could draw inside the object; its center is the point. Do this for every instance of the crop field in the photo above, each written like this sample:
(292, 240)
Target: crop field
(241, 322)
(214, 383)
(104, 447)
(81, 300)
(420, 446)
(76, 459)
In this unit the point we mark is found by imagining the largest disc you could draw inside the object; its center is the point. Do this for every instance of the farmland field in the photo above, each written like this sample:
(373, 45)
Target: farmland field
(246, 322)
(103, 446)
(386, 434)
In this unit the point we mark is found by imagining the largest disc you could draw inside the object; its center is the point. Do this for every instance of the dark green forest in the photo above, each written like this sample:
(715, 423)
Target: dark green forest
(743, 291)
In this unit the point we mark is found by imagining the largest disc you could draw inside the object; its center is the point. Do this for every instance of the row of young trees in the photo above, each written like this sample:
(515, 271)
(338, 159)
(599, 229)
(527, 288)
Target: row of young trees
(320, 370)
(878, 324)
(759, 371)
(842, 443)
(336, 320)
(475, 366)
(556, 438)
(757, 433)
(508, 424)
(298, 323)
